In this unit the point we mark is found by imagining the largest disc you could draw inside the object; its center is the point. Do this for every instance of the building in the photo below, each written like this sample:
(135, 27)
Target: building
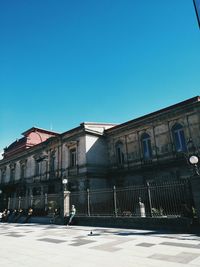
(155, 146)
(36, 164)
(99, 155)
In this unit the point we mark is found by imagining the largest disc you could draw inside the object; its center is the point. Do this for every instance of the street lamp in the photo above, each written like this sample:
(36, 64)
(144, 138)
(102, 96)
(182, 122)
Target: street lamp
(64, 182)
(192, 156)
(194, 161)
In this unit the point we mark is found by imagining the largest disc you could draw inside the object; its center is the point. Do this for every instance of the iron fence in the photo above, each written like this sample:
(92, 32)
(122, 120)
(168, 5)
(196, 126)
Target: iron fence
(172, 198)
(41, 204)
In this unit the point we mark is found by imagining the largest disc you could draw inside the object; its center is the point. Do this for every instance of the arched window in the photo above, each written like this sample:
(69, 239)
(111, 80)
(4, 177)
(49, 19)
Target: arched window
(119, 153)
(146, 146)
(179, 137)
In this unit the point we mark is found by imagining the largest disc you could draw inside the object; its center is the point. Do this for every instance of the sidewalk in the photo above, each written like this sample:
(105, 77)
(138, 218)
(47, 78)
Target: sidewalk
(55, 245)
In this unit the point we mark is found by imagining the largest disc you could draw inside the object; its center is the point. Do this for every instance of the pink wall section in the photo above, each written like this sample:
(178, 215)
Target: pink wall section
(36, 137)
(31, 138)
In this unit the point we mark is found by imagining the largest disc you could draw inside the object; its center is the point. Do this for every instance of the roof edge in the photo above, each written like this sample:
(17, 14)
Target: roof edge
(192, 100)
(33, 129)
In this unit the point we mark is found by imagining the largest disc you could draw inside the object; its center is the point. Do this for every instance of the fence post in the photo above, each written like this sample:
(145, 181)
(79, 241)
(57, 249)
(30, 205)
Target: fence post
(149, 198)
(19, 203)
(88, 202)
(115, 200)
(31, 200)
(45, 201)
(8, 203)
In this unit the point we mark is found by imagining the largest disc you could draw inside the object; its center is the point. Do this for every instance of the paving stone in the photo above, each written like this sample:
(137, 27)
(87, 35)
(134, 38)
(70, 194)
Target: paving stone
(106, 248)
(183, 245)
(81, 242)
(183, 257)
(145, 245)
(110, 246)
(51, 240)
(15, 235)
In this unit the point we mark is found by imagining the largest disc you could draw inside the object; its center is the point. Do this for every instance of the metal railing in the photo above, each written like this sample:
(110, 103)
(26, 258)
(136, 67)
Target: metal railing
(172, 198)
(41, 204)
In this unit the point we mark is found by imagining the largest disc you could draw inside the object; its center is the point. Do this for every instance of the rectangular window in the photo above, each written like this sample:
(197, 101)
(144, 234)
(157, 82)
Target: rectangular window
(52, 163)
(12, 175)
(37, 168)
(73, 157)
(22, 171)
(3, 176)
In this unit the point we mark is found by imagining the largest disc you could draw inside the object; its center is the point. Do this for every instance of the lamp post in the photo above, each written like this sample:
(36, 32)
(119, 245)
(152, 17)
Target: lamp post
(66, 199)
(194, 161)
(64, 182)
(193, 155)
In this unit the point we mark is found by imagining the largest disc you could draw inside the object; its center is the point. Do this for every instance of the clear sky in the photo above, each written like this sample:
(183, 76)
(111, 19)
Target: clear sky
(63, 62)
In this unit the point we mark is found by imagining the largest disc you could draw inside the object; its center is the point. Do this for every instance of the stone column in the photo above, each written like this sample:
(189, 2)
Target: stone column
(195, 183)
(66, 203)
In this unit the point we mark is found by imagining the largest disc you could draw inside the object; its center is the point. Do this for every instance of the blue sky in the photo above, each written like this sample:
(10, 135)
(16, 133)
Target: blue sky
(63, 62)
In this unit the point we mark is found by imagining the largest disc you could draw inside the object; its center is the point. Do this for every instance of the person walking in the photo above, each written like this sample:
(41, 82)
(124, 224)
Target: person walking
(56, 214)
(72, 214)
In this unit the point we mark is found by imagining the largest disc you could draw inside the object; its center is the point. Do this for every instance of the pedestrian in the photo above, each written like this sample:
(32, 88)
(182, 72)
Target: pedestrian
(4, 216)
(12, 215)
(72, 214)
(56, 214)
(29, 215)
(19, 215)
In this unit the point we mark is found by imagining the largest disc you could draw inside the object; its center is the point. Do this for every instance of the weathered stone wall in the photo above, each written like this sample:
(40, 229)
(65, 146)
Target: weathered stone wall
(164, 155)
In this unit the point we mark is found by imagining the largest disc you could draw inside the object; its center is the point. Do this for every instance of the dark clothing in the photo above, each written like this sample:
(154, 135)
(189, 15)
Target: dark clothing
(72, 214)
(29, 215)
(56, 214)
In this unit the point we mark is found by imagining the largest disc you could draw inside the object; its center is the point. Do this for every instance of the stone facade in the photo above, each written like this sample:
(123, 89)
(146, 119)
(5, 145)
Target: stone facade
(80, 155)
(155, 146)
(97, 155)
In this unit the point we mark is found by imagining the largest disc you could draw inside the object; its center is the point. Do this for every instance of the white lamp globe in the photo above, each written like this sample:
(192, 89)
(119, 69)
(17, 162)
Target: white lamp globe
(64, 181)
(193, 160)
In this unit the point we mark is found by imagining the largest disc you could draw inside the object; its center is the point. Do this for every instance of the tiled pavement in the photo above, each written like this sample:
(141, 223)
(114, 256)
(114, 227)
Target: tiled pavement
(50, 245)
